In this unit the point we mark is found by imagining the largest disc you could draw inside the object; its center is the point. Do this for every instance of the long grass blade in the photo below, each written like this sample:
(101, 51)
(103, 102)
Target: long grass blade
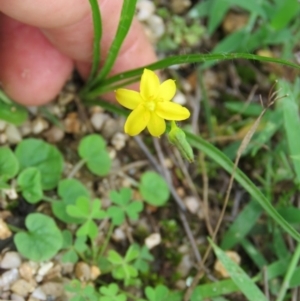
(244, 181)
(97, 38)
(100, 85)
(127, 14)
(239, 277)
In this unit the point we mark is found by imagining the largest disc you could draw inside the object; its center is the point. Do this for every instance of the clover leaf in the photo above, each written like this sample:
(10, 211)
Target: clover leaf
(123, 267)
(142, 261)
(42, 240)
(124, 206)
(44, 156)
(162, 293)
(9, 164)
(154, 189)
(72, 248)
(110, 293)
(69, 190)
(80, 292)
(92, 149)
(87, 210)
(30, 184)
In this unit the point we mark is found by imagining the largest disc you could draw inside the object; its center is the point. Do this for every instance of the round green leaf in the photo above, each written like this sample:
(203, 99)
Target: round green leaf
(9, 165)
(43, 239)
(92, 150)
(154, 189)
(69, 190)
(29, 181)
(45, 157)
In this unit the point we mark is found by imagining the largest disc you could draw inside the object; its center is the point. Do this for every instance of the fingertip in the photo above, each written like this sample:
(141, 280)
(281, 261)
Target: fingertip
(32, 71)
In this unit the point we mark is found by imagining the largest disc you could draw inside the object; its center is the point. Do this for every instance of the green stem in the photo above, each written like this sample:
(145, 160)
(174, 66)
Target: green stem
(97, 38)
(108, 236)
(15, 229)
(48, 199)
(290, 271)
(76, 168)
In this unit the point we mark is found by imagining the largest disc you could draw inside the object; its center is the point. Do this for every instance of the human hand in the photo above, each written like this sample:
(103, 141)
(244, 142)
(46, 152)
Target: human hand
(42, 41)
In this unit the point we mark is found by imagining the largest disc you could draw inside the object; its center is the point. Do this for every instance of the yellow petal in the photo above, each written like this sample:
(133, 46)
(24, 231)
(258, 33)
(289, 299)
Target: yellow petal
(137, 120)
(149, 85)
(128, 98)
(166, 90)
(171, 111)
(156, 125)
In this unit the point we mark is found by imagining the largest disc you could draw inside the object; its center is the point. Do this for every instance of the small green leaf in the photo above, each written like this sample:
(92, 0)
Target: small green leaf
(141, 262)
(67, 239)
(70, 256)
(125, 207)
(69, 190)
(45, 157)
(92, 150)
(110, 293)
(43, 239)
(132, 253)
(9, 164)
(114, 257)
(89, 228)
(81, 209)
(11, 112)
(87, 210)
(154, 189)
(160, 293)
(30, 183)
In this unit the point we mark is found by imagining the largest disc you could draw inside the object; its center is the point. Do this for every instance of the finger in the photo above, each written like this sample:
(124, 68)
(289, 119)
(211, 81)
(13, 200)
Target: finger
(69, 28)
(32, 71)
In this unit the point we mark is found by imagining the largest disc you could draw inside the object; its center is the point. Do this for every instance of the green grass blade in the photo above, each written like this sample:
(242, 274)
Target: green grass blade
(246, 183)
(289, 274)
(99, 86)
(239, 277)
(257, 257)
(242, 225)
(97, 38)
(291, 124)
(127, 14)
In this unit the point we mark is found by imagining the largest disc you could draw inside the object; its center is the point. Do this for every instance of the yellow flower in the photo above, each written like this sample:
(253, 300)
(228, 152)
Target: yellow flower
(151, 105)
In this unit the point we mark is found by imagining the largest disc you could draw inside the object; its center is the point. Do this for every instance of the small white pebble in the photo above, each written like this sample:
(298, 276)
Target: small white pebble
(13, 134)
(39, 294)
(145, 9)
(83, 271)
(119, 235)
(45, 268)
(118, 140)
(11, 193)
(156, 24)
(153, 240)
(192, 204)
(22, 287)
(98, 119)
(39, 125)
(16, 297)
(3, 138)
(10, 260)
(2, 125)
(4, 230)
(179, 98)
(54, 134)
(25, 128)
(9, 277)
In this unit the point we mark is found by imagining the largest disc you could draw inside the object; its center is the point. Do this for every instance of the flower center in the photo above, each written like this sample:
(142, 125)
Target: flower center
(150, 105)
